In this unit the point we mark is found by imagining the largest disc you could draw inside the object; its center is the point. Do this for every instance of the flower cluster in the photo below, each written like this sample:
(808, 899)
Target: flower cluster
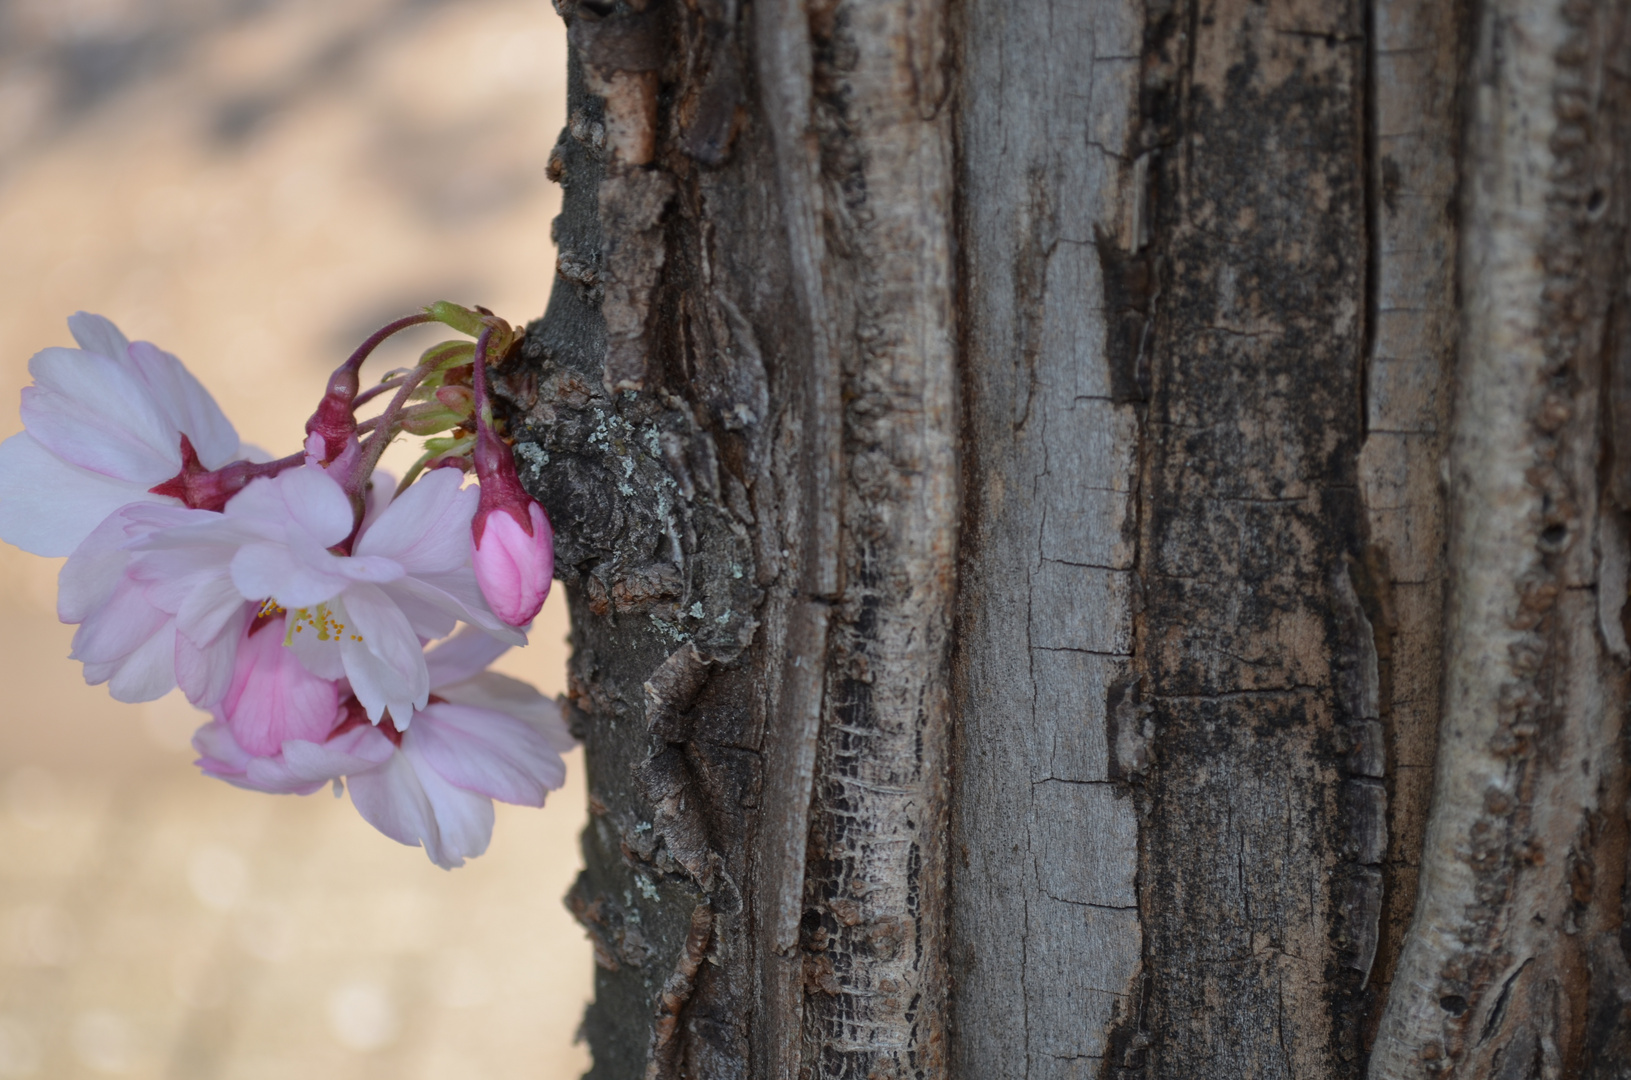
(337, 625)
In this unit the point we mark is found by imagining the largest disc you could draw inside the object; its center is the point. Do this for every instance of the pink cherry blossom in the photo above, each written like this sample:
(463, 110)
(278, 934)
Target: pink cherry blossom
(482, 737)
(152, 620)
(104, 424)
(364, 616)
(299, 768)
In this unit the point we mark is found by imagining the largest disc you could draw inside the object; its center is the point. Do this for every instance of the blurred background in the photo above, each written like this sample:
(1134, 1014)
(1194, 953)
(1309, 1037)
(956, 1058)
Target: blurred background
(255, 185)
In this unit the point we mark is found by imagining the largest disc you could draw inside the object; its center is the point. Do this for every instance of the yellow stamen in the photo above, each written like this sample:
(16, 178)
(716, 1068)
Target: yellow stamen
(320, 619)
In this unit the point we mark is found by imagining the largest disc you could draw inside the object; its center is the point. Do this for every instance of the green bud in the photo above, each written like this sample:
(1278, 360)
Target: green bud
(449, 444)
(458, 317)
(430, 419)
(447, 354)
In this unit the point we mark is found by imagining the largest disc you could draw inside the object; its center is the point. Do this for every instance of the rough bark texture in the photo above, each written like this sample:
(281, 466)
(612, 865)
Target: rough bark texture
(1044, 924)
(1511, 967)
(1415, 131)
(1248, 647)
(1219, 409)
(740, 414)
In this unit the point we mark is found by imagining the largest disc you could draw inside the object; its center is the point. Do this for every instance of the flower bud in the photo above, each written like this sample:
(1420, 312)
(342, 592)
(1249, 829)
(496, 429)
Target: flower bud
(333, 422)
(514, 562)
(512, 545)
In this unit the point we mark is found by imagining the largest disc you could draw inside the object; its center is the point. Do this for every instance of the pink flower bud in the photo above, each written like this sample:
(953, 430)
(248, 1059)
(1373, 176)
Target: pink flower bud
(514, 561)
(512, 545)
(333, 423)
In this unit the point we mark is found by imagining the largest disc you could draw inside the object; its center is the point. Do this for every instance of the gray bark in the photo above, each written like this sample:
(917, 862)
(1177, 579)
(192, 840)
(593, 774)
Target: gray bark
(1096, 535)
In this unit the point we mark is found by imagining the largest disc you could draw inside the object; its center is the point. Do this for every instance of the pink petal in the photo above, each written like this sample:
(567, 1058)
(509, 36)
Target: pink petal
(487, 752)
(273, 698)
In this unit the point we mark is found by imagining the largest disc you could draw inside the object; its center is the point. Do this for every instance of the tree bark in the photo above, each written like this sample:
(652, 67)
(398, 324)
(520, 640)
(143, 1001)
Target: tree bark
(1096, 535)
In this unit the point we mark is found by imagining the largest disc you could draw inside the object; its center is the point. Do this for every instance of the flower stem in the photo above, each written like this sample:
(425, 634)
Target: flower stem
(378, 337)
(478, 383)
(375, 391)
(384, 425)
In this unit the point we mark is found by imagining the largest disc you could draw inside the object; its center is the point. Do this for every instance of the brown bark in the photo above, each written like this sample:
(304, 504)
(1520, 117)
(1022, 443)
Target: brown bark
(1022, 627)
(1520, 906)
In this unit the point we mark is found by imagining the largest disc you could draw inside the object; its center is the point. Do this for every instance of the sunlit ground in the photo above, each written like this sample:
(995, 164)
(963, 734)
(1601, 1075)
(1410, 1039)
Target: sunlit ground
(255, 184)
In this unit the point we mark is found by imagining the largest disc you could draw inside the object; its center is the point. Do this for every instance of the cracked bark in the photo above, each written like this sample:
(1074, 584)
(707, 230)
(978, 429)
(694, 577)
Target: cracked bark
(998, 457)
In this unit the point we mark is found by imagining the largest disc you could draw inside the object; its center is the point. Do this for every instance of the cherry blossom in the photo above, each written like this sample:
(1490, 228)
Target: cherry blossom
(482, 737)
(294, 599)
(362, 616)
(152, 620)
(104, 424)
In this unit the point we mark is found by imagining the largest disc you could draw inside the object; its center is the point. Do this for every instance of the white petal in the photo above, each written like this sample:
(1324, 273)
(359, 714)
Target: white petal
(214, 740)
(428, 611)
(490, 690)
(93, 412)
(118, 626)
(466, 653)
(96, 567)
(300, 501)
(486, 752)
(273, 776)
(354, 751)
(381, 489)
(387, 667)
(47, 506)
(459, 596)
(186, 404)
(464, 819)
(97, 334)
(321, 658)
(392, 800)
(427, 527)
(371, 568)
(275, 570)
(204, 673)
(209, 607)
(148, 673)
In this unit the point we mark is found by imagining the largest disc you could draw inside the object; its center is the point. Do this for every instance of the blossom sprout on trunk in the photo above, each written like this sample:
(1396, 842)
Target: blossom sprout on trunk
(294, 597)
(512, 545)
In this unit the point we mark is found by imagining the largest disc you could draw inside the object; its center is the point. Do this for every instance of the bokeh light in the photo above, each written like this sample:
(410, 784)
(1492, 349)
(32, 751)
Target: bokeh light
(254, 185)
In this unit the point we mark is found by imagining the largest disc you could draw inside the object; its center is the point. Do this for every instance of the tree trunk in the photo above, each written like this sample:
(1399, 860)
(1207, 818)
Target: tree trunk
(1096, 535)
